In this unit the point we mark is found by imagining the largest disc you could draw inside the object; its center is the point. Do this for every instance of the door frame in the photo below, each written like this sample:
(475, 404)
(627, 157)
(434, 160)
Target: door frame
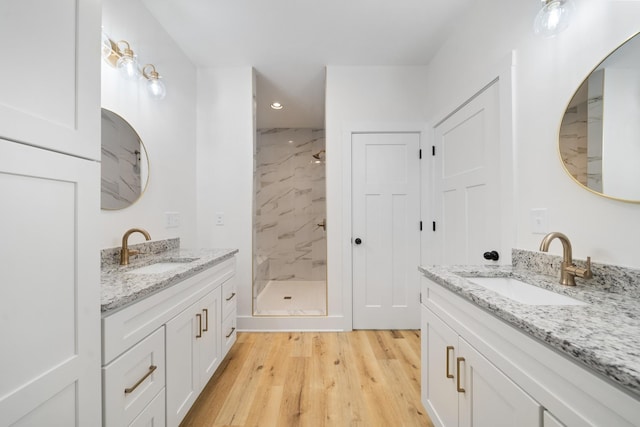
(502, 74)
(422, 129)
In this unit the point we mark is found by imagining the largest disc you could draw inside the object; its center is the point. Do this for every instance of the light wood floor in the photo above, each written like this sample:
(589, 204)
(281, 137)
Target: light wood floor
(360, 378)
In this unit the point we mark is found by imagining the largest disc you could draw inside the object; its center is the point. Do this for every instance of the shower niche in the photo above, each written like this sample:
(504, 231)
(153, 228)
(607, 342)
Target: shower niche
(289, 223)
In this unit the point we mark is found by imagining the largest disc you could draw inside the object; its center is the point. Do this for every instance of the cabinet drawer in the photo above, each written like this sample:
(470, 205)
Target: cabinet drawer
(153, 414)
(132, 380)
(229, 297)
(228, 333)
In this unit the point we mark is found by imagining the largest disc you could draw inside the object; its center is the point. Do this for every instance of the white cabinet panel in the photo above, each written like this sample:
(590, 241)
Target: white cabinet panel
(153, 415)
(229, 333)
(489, 397)
(49, 320)
(551, 421)
(50, 86)
(438, 385)
(210, 344)
(132, 380)
(193, 353)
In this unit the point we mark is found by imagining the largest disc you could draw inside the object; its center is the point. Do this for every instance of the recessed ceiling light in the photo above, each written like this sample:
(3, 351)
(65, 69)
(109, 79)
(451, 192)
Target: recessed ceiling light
(276, 106)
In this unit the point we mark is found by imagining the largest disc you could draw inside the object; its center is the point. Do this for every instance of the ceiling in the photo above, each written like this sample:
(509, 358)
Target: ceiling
(289, 42)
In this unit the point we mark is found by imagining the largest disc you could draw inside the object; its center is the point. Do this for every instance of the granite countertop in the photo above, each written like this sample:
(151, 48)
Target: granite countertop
(120, 288)
(603, 335)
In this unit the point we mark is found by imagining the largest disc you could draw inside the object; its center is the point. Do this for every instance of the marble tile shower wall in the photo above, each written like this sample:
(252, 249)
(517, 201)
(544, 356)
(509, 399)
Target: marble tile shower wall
(290, 200)
(581, 136)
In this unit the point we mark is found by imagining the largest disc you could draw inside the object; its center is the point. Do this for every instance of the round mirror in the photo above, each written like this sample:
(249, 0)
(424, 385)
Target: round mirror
(125, 165)
(599, 139)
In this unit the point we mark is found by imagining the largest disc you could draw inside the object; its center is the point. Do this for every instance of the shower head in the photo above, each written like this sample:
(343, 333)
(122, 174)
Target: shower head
(319, 155)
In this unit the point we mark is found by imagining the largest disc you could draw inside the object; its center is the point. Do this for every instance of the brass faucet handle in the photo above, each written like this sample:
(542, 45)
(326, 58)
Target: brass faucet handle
(133, 252)
(584, 273)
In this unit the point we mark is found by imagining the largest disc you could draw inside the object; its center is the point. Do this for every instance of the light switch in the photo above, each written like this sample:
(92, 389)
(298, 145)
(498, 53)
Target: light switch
(172, 219)
(539, 221)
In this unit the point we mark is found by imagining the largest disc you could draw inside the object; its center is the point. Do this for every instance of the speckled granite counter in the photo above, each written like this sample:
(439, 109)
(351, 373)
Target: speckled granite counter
(121, 288)
(603, 335)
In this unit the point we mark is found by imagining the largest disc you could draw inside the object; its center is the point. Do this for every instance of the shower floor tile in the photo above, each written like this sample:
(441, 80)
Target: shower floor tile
(293, 298)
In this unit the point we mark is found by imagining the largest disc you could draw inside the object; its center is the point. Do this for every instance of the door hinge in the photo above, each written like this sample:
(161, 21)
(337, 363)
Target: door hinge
(420, 153)
(434, 226)
(420, 225)
(433, 150)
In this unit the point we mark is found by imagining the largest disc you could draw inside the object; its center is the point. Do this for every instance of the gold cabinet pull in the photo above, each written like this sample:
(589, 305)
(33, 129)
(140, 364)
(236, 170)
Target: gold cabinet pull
(458, 361)
(449, 348)
(206, 319)
(231, 297)
(135, 386)
(199, 316)
(231, 333)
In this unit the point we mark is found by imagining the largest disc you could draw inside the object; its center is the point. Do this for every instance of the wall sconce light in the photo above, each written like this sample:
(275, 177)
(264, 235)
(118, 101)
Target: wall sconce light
(156, 88)
(120, 55)
(553, 18)
(127, 64)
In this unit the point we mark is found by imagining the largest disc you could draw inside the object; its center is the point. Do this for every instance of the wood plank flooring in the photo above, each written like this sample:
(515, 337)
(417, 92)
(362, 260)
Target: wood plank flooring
(360, 378)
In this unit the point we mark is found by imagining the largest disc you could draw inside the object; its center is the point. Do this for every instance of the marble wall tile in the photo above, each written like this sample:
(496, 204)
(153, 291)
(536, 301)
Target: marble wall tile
(290, 200)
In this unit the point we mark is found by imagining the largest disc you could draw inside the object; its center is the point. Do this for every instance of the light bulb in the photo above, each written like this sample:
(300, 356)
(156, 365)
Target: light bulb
(553, 18)
(127, 63)
(157, 89)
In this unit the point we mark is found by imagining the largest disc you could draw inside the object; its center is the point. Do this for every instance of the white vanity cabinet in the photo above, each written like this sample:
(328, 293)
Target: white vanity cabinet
(462, 388)
(509, 378)
(160, 352)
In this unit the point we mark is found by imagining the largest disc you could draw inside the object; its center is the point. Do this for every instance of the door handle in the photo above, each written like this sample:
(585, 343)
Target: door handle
(492, 255)
(357, 241)
(449, 348)
(458, 361)
(199, 317)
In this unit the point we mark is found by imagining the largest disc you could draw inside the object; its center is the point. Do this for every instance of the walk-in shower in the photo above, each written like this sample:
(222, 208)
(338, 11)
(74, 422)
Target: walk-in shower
(289, 223)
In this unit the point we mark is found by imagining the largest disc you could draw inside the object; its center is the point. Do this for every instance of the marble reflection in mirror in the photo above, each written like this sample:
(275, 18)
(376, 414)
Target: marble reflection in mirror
(599, 140)
(125, 165)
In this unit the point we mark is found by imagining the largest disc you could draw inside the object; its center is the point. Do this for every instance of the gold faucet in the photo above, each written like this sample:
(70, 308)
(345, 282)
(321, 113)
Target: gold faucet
(125, 251)
(569, 270)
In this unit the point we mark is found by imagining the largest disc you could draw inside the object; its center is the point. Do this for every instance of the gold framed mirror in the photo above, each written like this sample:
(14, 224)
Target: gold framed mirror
(124, 163)
(599, 138)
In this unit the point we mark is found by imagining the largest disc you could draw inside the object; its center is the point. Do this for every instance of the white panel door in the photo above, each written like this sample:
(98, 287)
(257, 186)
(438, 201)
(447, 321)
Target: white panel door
(386, 234)
(466, 183)
(49, 288)
(50, 78)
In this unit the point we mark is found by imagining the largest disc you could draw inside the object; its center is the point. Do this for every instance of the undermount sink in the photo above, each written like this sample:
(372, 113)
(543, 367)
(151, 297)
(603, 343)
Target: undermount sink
(522, 292)
(163, 266)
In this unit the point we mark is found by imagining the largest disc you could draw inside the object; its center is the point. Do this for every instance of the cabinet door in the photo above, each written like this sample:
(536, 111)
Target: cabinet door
(489, 397)
(210, 344)
(50, 86)
(49, 288)
(182, 377)
(439, 350)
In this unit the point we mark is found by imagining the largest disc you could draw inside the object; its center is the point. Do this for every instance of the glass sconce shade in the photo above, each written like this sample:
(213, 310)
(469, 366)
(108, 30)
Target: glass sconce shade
(127, 63)
(553, 18)
(156, 88)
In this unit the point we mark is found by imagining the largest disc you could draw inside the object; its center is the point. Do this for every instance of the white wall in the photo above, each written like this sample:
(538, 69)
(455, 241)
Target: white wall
(547, 73)
(226, 132)
(358, 98)
(167, 127)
